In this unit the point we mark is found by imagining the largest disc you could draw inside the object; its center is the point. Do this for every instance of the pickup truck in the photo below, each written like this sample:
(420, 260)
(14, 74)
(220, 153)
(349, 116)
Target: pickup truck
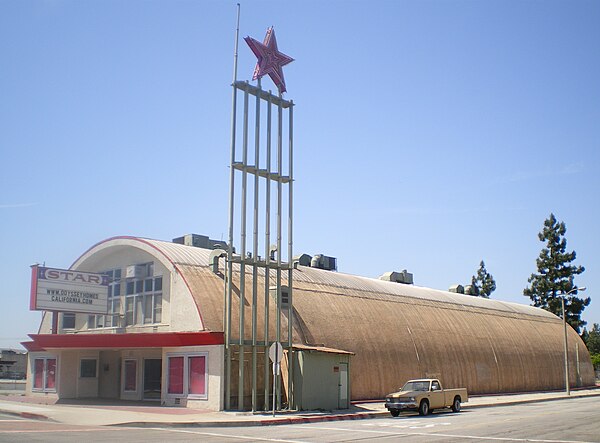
(424, 395)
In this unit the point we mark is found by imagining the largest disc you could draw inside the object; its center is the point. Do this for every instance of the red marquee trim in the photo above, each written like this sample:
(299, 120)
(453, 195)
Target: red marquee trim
(119, 341)
(33, 293)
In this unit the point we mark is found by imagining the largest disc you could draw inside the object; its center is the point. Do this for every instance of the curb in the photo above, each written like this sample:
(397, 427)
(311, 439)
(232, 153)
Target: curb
(30, 415)
(292, 420)
(265, 422)
(533, 400)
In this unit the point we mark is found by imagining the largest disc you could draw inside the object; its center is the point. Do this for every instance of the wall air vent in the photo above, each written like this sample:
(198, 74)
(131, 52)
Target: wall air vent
(285, 296)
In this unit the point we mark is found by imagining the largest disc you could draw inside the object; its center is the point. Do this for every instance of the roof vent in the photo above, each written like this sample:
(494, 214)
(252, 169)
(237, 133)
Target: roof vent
(324, 262)
(302, 259)
(214, 257)
(398, 277)
(458, 289)
(471, 290)
(200, 241)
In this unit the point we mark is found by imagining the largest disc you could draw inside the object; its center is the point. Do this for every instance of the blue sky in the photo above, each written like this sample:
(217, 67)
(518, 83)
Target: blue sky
(429, 135)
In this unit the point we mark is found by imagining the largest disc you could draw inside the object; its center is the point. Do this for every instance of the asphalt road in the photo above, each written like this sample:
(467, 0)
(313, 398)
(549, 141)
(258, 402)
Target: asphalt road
(571, 420)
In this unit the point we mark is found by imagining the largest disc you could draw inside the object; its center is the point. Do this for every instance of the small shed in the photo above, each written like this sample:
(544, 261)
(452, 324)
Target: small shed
(321, 378)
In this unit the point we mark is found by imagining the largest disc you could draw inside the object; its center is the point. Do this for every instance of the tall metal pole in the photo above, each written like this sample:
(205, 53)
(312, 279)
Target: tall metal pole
(268, 250)
(243, 255)
(255, 249)
(227, 306)
(279, 203)
(290, 253)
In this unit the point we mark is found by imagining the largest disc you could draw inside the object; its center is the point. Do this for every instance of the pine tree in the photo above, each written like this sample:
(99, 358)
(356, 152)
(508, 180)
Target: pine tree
(555, 276)
(592, 341)
(483, 282)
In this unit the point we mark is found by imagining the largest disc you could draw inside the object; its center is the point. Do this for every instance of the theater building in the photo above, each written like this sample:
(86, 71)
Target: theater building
(162, 337)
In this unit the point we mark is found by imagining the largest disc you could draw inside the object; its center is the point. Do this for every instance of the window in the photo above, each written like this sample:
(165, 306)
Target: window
(44, 374)
(197, 375)
(143, 301)
(68, 320)
(114, 303)
(88, 368)
(130, 376)
(435, 386)
(187, 375)
(139, 297)
(176, 375)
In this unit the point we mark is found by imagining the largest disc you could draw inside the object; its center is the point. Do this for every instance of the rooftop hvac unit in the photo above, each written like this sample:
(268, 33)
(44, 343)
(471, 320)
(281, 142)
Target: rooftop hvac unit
(302, 259)
(471, 290)
(458, 289)
(324, 262)
(398, 277)
(200, 241)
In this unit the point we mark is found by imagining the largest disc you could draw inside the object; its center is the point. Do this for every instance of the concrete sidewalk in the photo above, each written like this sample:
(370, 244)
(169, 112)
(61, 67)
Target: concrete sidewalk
(102, 413)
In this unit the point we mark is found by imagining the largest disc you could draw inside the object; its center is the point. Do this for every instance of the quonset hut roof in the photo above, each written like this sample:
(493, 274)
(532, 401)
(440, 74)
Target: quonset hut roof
(396, 331)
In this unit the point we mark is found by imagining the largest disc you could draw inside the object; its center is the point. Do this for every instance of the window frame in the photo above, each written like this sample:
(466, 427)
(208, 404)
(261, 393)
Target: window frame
(71, 317)
(45, 372)
(87, 375)
(111, 318)
(187, 356)
(135, 375)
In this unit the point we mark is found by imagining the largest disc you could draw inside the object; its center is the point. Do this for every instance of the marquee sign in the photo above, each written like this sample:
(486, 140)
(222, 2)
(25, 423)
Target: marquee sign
(68, 291)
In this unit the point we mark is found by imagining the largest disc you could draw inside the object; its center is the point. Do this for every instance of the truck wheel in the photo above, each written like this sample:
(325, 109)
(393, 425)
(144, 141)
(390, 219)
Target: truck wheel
(394, 412)
(424, 407)
(456, 404)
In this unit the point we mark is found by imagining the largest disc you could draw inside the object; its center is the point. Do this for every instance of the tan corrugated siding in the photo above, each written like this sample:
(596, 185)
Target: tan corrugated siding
(484, 345)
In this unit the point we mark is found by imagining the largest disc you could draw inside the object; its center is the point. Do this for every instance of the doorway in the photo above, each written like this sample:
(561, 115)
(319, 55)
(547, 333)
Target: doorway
(343, 386)
(152, 378)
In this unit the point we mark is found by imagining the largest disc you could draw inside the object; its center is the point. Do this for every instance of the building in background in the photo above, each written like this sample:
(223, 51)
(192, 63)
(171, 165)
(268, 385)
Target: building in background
(162, 337)
(13, 364)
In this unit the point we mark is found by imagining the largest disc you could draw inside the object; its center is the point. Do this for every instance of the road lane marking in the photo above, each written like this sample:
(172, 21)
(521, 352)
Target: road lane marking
(435, 434)
(407, 424)
(215, 434)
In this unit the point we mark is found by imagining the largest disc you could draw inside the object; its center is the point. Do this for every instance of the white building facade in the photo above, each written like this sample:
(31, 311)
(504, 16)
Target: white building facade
(151, 345)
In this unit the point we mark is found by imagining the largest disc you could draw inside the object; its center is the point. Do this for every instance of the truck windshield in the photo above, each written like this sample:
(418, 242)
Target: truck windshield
(416, 386)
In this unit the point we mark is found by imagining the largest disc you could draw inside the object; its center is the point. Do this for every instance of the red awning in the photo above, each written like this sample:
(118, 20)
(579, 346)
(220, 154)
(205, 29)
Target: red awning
(119, 341)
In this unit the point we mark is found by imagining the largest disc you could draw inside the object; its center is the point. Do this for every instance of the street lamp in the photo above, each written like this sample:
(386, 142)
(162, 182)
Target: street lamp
(562, 298)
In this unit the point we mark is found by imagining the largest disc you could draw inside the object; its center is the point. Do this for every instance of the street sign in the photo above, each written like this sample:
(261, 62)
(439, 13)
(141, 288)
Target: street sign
(276, 352)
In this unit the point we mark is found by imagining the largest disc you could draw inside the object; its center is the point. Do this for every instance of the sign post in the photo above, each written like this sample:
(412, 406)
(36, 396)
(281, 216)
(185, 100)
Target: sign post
(275, 354)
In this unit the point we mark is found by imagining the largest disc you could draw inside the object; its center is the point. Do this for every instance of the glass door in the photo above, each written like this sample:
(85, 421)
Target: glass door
(152, 378)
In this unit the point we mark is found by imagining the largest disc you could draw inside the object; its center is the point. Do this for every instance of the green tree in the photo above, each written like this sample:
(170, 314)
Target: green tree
(555, 276)
(483, 282)
(592, 339)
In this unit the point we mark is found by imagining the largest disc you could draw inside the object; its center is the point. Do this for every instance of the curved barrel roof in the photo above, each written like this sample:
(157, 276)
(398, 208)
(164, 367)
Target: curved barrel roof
(396, 331)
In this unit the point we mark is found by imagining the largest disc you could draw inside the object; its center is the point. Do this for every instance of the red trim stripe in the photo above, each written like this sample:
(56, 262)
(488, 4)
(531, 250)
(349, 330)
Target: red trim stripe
(33, 293)
(116, 341)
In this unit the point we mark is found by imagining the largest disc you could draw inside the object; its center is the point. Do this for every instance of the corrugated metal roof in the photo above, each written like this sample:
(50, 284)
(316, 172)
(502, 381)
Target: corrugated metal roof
(181, 254)
(372, 287)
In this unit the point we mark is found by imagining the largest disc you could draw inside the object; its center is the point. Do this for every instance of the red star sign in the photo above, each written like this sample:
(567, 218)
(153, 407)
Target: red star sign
(270, 60)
